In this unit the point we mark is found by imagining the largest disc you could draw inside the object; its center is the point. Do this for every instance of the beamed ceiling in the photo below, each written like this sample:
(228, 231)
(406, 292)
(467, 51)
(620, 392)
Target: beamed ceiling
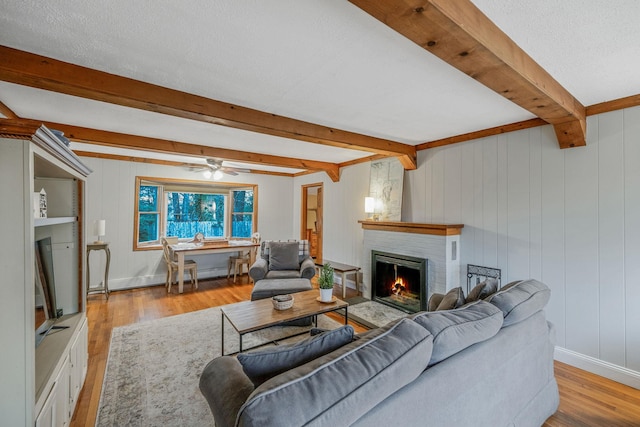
(299, 86)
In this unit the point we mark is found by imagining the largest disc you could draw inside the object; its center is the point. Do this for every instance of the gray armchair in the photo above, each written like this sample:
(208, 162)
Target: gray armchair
(282, 260)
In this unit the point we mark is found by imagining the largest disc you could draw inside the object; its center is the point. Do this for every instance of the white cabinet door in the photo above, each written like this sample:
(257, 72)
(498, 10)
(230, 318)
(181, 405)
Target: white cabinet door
(47, 416)
(78, 356)
(62, 396)
(55, 411)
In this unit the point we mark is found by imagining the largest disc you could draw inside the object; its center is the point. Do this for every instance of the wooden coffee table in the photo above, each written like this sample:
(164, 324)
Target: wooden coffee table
(251, 316)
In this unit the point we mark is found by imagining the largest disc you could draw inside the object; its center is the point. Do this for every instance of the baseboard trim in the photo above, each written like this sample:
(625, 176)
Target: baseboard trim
(155, 279)
(598, 367)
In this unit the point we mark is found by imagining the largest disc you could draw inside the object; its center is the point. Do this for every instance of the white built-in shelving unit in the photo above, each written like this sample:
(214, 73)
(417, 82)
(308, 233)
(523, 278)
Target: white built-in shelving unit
(40, 386)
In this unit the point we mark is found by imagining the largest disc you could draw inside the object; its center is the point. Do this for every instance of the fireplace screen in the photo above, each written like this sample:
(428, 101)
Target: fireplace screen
(399, 281)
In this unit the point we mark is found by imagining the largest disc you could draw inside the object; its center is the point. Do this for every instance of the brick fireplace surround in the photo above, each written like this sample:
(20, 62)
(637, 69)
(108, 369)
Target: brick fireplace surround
(438, 243)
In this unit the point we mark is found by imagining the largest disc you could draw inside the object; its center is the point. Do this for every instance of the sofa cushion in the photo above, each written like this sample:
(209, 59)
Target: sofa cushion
(452, 299)
(283, 256)
(282, 274)
(455, 330)
(519, 300)
(482, 290)
(261, 365)
(338, 388)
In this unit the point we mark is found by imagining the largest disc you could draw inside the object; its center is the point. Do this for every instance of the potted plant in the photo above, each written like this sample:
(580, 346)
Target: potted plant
(325, 282)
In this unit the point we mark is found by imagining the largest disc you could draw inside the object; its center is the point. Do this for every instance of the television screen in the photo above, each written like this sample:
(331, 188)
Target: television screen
(45, 289)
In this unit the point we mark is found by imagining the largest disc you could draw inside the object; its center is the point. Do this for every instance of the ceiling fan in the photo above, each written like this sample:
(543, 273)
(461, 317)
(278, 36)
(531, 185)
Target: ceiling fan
(214, 167)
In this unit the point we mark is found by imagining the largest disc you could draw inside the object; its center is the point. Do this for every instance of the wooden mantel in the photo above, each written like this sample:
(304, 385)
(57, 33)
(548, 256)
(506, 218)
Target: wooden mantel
(413, 227)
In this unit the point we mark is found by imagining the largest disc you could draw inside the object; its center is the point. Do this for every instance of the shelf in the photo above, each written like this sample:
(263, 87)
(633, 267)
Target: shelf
(41, 222)
(412, 227)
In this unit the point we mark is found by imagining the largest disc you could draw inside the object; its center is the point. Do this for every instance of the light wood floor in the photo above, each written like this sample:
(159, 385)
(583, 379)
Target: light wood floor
(585, 399)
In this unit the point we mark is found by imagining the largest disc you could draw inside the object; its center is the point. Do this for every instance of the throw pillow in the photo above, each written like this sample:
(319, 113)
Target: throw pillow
(434, 302)
(283, 256)
(482, 290)
(261, 365)
(453, 299)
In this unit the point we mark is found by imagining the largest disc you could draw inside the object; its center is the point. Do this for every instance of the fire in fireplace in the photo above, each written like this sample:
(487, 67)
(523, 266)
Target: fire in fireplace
(399, 281)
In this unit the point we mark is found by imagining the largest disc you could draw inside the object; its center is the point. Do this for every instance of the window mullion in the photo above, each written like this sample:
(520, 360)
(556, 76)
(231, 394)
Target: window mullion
(163, 211)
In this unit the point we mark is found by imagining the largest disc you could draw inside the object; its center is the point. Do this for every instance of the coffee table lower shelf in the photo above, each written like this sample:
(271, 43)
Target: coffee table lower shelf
(251, 316)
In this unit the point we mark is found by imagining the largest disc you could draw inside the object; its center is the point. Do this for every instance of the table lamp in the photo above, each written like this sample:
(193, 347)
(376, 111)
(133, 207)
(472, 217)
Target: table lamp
(99, 227)
(369, 206)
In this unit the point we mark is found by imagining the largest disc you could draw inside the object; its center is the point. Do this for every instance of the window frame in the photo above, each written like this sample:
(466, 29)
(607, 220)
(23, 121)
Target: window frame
(232, 212)
(168, 185)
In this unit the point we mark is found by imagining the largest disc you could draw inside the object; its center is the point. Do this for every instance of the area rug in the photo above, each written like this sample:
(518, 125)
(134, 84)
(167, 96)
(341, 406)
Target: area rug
(154, 367)
(372, 314)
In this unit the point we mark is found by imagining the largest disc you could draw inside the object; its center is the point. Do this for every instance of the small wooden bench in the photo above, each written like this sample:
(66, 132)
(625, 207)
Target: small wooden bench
(343, 269)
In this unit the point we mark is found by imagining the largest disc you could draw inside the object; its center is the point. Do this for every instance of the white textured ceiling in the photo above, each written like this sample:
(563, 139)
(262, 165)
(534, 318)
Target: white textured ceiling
(325, 62)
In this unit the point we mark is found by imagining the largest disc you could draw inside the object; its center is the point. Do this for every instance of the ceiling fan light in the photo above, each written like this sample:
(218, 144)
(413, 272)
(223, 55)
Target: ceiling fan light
(207, 174)
(217, 175)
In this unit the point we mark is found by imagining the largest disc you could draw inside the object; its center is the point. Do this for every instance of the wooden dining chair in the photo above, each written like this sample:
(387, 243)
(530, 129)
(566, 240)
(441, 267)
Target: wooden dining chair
(238, 262)
(172, 267)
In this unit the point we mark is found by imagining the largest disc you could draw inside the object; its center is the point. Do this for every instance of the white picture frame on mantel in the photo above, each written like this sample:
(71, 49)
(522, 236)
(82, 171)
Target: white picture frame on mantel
(385, 186)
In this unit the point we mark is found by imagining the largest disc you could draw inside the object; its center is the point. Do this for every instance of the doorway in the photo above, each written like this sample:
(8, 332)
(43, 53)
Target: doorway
(311, 223)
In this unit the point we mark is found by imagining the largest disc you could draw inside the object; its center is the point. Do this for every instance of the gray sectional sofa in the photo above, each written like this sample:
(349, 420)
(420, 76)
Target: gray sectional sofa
(487, 363)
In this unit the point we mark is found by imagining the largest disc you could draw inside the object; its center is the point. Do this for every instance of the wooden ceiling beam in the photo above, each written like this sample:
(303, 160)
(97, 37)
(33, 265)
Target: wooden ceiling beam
(136, 159)
(461, 35)
(37, 71)
(120, 140)
(7, 112)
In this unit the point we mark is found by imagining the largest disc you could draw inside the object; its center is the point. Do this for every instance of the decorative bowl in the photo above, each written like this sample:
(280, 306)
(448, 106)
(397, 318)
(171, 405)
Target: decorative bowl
(282, 302)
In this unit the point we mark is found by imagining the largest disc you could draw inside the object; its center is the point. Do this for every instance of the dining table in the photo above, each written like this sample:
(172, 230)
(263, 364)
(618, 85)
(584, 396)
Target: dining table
(184, 249)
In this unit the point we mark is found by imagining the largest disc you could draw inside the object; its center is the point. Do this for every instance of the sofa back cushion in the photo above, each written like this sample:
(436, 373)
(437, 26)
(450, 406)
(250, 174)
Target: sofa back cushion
(519, 300)
(455, 330)
(338, 388)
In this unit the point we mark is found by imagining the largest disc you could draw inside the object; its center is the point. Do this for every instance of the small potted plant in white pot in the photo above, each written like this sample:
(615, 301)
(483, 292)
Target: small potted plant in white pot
(325, 282)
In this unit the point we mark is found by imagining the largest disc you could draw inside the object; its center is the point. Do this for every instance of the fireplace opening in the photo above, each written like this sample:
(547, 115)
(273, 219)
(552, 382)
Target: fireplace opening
(399, 281)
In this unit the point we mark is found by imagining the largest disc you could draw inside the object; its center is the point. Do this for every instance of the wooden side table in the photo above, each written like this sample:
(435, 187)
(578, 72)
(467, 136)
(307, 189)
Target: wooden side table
(343, 269)
(103, 287)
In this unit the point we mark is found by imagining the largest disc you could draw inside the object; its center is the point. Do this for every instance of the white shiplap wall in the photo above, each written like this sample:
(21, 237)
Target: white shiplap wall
(570, 218)
(110, 196)
(343, 207)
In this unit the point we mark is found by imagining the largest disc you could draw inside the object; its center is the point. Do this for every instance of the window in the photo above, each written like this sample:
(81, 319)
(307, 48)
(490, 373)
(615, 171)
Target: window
(183, 208)
(190, 213)
(242, 215)
(148, 214)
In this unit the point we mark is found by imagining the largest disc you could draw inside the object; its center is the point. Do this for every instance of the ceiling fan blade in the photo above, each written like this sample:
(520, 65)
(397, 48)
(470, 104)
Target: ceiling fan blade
(195, 168)
(237, 170)
(229, 171)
